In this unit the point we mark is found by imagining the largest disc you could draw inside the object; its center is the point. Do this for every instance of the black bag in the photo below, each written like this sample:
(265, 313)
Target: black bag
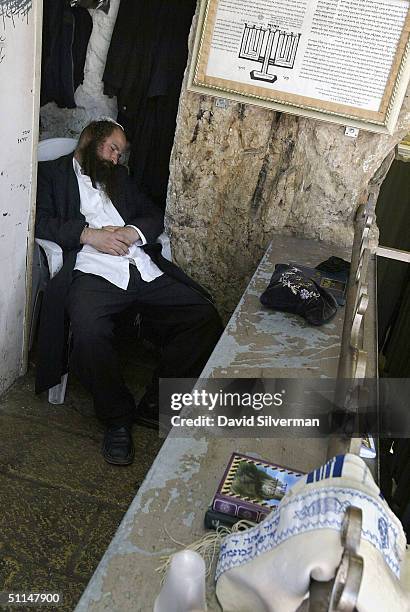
(289, 290)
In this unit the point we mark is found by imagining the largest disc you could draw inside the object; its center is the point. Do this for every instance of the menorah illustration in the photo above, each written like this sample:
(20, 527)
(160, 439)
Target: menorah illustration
(269, 46)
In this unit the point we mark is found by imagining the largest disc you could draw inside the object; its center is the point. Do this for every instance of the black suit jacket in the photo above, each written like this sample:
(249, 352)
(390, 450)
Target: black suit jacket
(58, 218)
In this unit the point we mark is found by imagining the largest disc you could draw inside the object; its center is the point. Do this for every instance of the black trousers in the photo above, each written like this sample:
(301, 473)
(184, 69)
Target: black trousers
(186, 322)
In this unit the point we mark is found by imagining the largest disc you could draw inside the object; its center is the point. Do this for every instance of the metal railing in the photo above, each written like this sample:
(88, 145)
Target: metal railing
(358, 355)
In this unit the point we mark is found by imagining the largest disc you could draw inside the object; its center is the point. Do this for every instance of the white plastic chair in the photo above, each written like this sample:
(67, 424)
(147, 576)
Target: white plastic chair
(49, 149)
(52, 148)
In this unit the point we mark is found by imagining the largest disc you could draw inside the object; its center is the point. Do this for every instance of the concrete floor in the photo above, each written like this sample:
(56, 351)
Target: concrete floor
(60, 502)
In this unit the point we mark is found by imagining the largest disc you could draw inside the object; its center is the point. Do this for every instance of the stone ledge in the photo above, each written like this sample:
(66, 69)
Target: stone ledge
(172, 500)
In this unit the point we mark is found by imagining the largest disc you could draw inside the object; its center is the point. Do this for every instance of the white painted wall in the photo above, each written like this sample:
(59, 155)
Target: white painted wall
(19, 30)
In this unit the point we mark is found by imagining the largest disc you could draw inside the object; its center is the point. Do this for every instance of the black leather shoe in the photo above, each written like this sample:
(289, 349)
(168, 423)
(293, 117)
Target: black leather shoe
(118, 447)
(147, 412)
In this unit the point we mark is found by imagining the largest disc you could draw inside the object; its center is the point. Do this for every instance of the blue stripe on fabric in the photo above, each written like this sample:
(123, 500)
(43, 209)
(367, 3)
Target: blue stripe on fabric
(337, 470)
(328, 468)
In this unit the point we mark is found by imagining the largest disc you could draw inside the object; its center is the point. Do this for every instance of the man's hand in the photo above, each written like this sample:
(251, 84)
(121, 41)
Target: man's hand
(127, 234)
(107, 241)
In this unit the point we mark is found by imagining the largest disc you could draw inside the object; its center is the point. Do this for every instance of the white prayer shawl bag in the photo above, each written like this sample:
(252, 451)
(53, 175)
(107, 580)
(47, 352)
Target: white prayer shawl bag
(268, 568)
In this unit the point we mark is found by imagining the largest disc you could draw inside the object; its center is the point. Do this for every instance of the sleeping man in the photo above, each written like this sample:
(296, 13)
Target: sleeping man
(107, 228)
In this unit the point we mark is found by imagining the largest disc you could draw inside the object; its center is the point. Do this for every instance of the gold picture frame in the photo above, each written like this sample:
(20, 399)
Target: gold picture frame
(280, 55)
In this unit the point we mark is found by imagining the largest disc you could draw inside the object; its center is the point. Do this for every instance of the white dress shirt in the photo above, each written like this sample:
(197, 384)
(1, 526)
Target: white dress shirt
(99, 212)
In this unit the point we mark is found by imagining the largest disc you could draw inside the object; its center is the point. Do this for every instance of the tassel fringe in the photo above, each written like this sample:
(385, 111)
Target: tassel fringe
(208, 546)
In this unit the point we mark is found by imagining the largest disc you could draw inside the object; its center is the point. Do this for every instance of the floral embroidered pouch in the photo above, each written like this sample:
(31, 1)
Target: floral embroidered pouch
(290, 290)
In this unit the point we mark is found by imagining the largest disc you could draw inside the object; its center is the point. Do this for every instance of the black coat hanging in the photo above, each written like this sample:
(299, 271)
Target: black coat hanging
(66, 32)
(144, 69)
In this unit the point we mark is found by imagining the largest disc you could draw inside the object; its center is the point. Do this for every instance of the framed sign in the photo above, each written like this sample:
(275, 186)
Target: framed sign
(345, 61)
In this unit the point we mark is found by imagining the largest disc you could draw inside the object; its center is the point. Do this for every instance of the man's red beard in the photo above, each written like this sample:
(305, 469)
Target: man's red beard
(101, 171)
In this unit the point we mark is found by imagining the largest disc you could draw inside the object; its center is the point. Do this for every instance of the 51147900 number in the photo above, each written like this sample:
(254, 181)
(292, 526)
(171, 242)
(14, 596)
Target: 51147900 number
(30, 599)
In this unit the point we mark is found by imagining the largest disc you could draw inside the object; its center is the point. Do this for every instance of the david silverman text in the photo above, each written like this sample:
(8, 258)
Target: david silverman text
(249, 421)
